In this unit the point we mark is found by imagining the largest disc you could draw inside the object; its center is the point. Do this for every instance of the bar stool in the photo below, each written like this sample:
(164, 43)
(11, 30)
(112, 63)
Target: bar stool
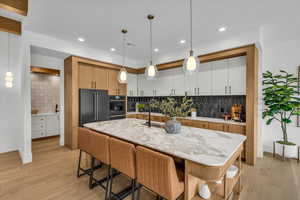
(122, 159)
(99, 145)
(157, 172)
(83, 145)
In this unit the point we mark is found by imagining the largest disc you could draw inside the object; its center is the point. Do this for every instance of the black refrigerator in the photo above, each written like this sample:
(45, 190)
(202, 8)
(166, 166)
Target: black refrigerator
(93, 106)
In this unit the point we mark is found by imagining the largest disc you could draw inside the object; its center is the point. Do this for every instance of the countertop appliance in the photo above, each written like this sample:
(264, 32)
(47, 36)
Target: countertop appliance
(117, 107)
(94, 106)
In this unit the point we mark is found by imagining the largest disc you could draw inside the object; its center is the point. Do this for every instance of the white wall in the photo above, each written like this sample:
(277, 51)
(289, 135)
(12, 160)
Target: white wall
(53, 63)
(280, 54)
(11, 103)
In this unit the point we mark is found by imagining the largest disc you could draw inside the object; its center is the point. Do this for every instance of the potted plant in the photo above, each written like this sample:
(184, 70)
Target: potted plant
(141, 107)
(172, 109)
(281, 104)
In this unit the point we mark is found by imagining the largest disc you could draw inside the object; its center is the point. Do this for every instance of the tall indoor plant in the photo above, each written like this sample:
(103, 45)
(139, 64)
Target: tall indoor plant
(281, 104)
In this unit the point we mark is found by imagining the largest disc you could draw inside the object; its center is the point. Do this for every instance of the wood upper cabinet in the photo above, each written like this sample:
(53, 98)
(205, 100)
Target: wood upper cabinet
(91, 77)
(114, 87)
(101, 79)
(86, 76)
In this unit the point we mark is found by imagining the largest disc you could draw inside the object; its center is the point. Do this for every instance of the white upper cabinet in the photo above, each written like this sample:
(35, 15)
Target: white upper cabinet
(204, 79)
(223, 77)
(237, 76)
(220, 77)
(132, 85)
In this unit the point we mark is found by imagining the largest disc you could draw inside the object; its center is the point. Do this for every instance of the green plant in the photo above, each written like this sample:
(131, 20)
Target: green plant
(281, 102)
(171, 108)
(141, 106)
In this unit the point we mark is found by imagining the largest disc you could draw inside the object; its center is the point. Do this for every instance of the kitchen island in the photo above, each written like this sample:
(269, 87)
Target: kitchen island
(207, 153)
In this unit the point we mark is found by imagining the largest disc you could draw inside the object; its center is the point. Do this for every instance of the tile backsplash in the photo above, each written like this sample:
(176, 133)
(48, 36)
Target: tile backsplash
(207, 106)
(44, 92)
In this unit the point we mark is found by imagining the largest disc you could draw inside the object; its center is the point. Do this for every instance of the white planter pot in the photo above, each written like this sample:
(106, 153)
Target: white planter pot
(204, 191)
(289, 152)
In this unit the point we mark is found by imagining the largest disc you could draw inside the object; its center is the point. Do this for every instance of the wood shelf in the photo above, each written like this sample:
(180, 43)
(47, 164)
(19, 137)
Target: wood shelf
(217, 190)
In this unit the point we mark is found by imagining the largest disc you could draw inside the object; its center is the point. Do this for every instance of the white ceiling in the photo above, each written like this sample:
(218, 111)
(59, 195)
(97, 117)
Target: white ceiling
(100, 21)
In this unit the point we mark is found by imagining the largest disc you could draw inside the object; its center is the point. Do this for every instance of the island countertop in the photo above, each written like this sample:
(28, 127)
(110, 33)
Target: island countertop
(202, 146)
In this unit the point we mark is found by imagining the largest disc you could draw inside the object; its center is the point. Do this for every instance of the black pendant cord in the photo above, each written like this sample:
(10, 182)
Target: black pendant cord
(191, 24)
(151, 57)
(123, 46)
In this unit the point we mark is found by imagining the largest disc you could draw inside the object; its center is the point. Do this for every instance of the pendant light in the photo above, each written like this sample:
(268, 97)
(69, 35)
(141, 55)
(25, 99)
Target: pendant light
(151, 69)
(8, 75)
(122, 77)
(191, 63)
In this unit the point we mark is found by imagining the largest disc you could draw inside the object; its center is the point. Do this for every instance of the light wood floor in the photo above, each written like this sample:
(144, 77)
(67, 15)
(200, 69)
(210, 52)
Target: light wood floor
(52, 175)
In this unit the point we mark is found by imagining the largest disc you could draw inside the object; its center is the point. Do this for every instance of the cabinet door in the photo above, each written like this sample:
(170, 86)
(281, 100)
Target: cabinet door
(178, 81)
(165, 83)
(204, 79)
(113, 82)
(132, 85)
(52, 125)
(122, 89)
(86, 78)
(237, 76)
(101, 78)
(191, 84)
(220, 77)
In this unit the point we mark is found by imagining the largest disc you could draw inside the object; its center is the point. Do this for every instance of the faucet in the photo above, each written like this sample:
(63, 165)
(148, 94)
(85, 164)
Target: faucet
(149, 115)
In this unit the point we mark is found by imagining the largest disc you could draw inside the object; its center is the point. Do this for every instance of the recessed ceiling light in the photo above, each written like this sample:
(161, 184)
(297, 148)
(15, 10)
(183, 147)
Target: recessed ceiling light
(222, 29)
(81, 39)
(112, 49)
(182, 41)
(156, 50)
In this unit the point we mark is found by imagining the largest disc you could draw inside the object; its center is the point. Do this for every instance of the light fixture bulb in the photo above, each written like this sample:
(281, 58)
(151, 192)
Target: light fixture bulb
(8, 84)
(122, 77)
(191, 64)
(151, 72)
(81, 39)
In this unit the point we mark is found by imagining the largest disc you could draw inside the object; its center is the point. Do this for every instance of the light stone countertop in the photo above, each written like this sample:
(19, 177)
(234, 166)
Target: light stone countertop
(44, 114)
(206, 119)
(206, 147)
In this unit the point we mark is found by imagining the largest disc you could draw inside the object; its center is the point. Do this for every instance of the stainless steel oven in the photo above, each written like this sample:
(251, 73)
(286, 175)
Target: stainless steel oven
(117, 107)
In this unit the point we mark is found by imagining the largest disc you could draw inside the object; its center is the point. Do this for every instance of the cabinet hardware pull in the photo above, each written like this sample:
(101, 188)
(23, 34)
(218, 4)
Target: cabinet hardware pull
(225, 89)
(229, 89)
(198, 91)
(195, 91)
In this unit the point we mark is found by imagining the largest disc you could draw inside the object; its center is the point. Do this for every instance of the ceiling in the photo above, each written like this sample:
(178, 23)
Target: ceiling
(100, 21)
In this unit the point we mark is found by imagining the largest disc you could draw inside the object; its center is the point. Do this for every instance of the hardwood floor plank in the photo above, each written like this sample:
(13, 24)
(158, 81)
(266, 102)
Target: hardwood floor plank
(52, 176)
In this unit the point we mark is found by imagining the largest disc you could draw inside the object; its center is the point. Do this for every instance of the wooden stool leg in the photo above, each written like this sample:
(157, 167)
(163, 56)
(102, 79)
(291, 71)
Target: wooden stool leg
(138, 191)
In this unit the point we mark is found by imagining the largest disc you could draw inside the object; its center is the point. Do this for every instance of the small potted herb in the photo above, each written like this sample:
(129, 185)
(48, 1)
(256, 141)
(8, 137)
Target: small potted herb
(173, 109)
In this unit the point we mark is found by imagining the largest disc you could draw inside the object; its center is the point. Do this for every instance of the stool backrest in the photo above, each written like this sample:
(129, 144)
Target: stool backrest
(156, 171)
(84, 138)
(100, 147)
(122, 157)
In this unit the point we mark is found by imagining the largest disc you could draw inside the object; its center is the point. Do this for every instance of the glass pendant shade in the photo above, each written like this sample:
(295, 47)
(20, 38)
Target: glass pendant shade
(151, 72)
(9, 79)
(191, 64)
(122, 77)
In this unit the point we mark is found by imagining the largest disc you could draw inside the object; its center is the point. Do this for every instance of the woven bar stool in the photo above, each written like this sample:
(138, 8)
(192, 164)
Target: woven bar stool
(122, 159)
(83, 145)
(157, 172)
(99, 145)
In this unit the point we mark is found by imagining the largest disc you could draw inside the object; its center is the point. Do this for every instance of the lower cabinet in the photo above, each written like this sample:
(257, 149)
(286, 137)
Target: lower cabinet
(44, 125)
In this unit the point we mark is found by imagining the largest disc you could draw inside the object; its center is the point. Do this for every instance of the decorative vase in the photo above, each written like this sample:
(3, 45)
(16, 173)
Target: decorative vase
(173, 126)
(204, 191)
(290, 151)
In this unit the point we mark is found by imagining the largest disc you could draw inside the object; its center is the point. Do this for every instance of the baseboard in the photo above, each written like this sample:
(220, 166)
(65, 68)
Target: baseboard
(25, 157)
